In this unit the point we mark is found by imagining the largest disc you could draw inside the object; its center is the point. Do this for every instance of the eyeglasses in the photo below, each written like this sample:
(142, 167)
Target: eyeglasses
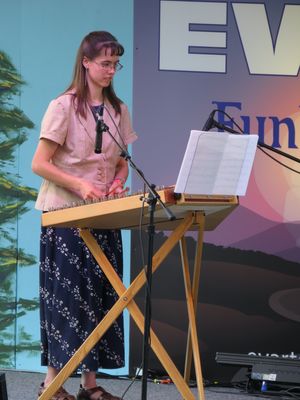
(108, 65)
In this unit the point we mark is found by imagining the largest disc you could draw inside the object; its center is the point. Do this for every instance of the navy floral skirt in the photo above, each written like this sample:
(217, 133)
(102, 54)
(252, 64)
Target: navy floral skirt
(74, 297)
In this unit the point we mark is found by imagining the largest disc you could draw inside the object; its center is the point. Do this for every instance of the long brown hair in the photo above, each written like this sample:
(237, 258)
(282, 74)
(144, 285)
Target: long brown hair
(90, 47)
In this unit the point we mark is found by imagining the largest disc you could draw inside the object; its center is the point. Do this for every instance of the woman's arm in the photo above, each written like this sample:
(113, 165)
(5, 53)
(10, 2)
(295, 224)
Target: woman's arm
(42, 166)
(120, 177)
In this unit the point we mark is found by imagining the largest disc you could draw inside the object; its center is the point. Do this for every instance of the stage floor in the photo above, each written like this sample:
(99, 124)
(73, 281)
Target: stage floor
(24, 386)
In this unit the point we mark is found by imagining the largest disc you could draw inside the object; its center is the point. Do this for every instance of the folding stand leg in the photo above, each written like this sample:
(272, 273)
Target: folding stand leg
(192, 319)
(195, 287)
(125, 300)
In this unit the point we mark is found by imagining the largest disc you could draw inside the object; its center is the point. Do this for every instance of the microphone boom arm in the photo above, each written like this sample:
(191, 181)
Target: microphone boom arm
(216, 124)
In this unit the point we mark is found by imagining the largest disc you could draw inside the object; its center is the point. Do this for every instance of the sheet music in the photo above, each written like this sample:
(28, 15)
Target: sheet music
(216, 163)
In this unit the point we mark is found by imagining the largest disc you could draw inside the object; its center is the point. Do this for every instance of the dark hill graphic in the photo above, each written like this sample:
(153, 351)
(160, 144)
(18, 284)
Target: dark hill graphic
(278, 240)
(290, 254)
(224, 270)
(241, 224)
(246, 230)
(239, 304)
(253, 258)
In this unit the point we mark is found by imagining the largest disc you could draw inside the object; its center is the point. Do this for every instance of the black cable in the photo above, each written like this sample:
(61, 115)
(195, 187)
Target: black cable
(259, 147)
(143, 254)
(143, 199)
(279, 162)
(142, 250)
(132, 382)
(266, 395)
(232, 120)
(117, 129)
(294, 395)
(145, 267)
(245, 387)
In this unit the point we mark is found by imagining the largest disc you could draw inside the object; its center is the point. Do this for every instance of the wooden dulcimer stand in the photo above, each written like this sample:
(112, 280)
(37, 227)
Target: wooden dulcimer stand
(192, 213)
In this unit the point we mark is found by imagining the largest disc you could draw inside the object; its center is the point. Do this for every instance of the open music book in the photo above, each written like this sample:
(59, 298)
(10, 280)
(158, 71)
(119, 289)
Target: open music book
(216, 163)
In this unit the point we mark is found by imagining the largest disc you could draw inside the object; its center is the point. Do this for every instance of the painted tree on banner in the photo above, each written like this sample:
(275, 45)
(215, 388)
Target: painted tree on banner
(13, 199)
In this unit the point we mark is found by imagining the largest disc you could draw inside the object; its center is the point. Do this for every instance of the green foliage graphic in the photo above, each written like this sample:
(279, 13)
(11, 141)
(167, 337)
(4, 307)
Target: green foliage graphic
(14, 196)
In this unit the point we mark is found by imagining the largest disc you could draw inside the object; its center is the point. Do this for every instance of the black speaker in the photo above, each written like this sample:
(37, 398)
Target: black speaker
(3, 391)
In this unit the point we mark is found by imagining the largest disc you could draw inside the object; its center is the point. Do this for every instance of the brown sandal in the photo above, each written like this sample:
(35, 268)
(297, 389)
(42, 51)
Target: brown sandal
(85, 394)
(61, 394)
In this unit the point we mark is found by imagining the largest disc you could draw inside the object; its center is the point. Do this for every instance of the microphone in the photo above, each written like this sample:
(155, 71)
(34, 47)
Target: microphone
(225, 128)
(99, 131)
(210, 121)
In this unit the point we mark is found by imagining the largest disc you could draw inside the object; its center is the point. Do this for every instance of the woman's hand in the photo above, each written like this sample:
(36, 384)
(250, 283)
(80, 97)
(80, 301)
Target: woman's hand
(88, 191)
(117, 187)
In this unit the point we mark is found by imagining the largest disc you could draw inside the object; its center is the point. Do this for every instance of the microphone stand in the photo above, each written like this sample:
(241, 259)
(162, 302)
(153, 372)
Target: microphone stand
(282, 153)
(215, 124)
(152, 200)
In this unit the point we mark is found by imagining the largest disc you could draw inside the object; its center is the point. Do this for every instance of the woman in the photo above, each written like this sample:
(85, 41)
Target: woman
(74, 294)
